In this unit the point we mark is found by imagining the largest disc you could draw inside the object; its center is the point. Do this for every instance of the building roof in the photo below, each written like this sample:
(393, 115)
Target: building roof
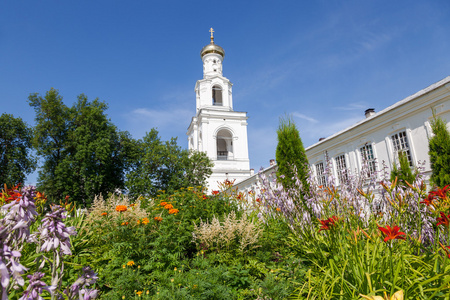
(408, 99)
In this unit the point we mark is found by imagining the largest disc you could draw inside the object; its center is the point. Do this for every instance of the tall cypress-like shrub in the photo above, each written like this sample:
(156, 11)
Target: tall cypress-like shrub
(403, 172)
(439, 151)
(291, 153)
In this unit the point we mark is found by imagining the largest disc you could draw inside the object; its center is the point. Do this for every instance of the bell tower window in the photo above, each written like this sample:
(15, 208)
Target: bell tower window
(224, 145)
(217, 95)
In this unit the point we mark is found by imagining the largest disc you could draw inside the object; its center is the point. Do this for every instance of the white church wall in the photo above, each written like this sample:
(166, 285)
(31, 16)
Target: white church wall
(411, 115)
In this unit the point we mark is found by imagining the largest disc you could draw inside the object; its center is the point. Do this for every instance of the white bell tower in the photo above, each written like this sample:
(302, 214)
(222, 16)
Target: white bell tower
(216, 128)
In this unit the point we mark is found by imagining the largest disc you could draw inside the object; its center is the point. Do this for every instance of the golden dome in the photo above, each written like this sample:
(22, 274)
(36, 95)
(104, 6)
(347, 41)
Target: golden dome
(212, 48)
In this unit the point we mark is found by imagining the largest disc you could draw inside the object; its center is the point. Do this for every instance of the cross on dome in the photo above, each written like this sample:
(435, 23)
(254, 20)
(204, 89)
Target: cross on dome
(212, 36)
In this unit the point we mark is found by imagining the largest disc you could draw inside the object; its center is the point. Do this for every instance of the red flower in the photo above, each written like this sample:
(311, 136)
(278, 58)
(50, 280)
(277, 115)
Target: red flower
(441, 193)
(429, 200)
(258, 200)
(215, 192)
(443, 220)
(10, 194)
(67, 197)
(328, 223)
(392, 233)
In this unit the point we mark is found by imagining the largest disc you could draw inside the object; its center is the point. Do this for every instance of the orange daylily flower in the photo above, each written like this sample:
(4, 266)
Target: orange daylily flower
(441, 193)
(392, 233)
(328, 223)
(429, 200)
(215, 192)
(10, 194)
(41, 196)
(443, 220)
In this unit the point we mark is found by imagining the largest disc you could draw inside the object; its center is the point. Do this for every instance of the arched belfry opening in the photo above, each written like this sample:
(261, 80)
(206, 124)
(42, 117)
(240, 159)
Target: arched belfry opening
(217, 95)
(224, 145)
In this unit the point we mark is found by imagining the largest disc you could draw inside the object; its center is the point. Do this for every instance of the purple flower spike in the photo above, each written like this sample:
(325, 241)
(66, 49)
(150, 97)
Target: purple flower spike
(9, 266)
(89, 294)
(35, 287)
(54, 232)
(19, 216)
(87, 278)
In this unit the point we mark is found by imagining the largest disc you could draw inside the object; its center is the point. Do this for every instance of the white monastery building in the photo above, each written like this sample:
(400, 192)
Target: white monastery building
(404, 126)
(216, 128)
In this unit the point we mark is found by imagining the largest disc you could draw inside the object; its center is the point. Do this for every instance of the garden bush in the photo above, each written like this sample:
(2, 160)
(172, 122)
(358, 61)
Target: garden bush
(358, 240)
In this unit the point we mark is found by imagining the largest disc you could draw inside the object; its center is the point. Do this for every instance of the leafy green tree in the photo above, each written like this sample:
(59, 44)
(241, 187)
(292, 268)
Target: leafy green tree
(291, 155)
(403, 172)
(50, 137)
(160, 165)
(439, 151)
(84, 153)
(16, 160)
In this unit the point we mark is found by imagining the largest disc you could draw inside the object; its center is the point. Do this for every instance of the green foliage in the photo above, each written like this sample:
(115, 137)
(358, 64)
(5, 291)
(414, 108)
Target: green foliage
(84, 153)
(159, 165)
(439, 151)
(403, 172)
(161, 260)
(16, 160)
(291, 154)
(349, 256)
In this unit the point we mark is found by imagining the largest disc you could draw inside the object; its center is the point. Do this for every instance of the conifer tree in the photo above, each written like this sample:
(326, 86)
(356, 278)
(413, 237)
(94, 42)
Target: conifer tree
(403, 172)
(439, 151)
(291, 153)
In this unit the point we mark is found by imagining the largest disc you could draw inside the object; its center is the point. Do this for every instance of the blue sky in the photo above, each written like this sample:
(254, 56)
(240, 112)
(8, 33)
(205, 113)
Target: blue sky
(324, 62)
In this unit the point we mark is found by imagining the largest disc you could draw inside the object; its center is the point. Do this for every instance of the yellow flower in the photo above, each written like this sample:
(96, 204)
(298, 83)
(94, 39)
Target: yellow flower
(397, 296)
(123, 266)
(139, 293)
(130, 263)
(139, 267)
(171, 280)
(175, 269)
(147, 292)
(123, 297)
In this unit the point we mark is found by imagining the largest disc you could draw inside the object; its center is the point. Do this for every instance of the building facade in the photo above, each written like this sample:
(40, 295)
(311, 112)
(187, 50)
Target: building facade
(217, 129)
(377, 139)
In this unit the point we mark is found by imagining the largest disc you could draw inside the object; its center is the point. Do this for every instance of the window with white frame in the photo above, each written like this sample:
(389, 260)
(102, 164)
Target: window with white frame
(400, 143)
(341, 168)
(320, 172)
(368, 158)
